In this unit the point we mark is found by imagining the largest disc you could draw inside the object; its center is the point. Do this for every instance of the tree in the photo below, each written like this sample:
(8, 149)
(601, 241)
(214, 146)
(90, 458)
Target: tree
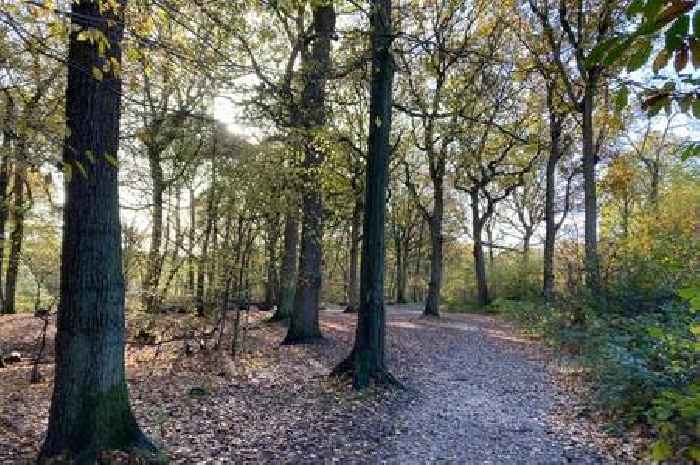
(583, 30)
(303, 323)
(366, 361)
(90, 409)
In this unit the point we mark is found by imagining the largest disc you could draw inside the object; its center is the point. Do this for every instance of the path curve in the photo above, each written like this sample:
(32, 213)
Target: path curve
(479, 395)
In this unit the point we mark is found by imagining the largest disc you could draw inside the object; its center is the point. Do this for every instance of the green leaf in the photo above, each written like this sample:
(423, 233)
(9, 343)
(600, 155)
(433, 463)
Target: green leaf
(696, 108)
(635, 7)
(616, 52)
(677, 32)
(621, 98)
(652, 8)
(661, 450)
(640, 56)
(694, 453)
(696, 24)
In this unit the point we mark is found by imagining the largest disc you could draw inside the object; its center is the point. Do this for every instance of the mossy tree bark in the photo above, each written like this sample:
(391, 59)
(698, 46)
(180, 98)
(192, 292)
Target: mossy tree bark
(90, 408)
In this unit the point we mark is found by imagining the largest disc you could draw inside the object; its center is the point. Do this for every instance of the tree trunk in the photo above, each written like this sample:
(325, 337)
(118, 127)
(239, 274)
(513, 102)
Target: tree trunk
(400, 269)
(366, 360)
(15, 238)
(555, 126)
(589, 185)
(303, 322)
(489, 236)
(202, 264)
(271, 288)
(417, 288)
(153, 267)
(353, 291)
(4, 175)
(655, 182)
(175, 254)
(550, 223)
(289, 268)
(482, 288)
(191, 259)
(432, 303)
(526, 246)
(90, 408)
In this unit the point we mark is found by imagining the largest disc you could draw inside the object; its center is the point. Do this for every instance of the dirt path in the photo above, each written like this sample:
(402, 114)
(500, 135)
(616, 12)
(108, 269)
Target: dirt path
(476, 395)
(481, 397)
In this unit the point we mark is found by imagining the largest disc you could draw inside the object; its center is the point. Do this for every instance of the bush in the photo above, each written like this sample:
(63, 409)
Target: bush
(644, 368)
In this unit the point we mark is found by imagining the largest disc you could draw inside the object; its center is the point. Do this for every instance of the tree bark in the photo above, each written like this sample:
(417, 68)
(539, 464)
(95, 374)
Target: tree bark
(4, 175)
(526, 246)
(202, 264)
(271, 284)
(353, 291)
(366, 360)
(289, 268)
(90, 408)
(191, 260)
(551, 226)
(482, 288)
(400, 270)
(589, 185)
(303, 322)
(432, 302)
(15, 238)
(154, 263)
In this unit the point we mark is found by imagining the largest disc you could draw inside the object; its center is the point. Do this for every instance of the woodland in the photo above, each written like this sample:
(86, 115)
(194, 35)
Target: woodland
(330, 231)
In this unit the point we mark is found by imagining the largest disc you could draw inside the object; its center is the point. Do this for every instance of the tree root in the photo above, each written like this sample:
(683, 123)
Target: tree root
(382, 377)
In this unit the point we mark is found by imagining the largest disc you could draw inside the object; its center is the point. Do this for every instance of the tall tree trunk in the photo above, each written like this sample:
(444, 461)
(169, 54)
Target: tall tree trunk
(90, 408)
(555, 127)
(289, 267)
(482, 288)
(366, 360)
(353, 291)
(191, 259)
(303, 322)
(526, 246)
(405, 247)
(417, 288)
(7, 148)
(177, 245)
(655, 182)
(400, 268)
(271, 288)
(432, 303)
(589, 186)
(15, 238)
(154, 264)
(202, 264)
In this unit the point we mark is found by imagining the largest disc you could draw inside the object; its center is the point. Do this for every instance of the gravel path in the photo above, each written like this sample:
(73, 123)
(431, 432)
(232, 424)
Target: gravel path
(476, 394)
(479, 396)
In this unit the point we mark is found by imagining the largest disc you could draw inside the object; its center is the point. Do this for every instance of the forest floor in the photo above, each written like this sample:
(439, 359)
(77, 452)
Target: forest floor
(476, 393)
